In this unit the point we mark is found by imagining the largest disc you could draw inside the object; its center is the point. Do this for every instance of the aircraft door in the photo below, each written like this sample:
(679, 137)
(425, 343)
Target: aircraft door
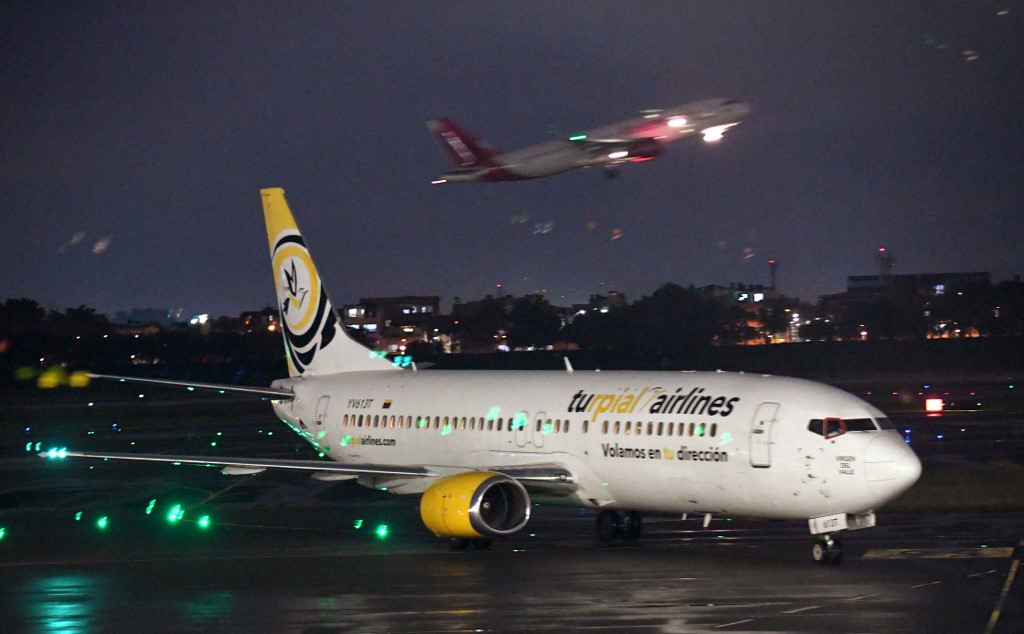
(541, 427)
(761, 435)
(521, 426)
(321, 412)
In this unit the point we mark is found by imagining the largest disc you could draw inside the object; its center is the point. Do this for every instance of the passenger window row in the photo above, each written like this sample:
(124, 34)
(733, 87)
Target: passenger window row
(543, 425)
(660, 429)
(452, 423)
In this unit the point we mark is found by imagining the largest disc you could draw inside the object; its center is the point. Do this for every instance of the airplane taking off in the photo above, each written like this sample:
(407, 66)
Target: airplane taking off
(631, 141)
(480, 447)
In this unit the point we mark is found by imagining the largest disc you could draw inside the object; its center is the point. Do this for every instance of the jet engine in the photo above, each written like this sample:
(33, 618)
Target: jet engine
(475, 505)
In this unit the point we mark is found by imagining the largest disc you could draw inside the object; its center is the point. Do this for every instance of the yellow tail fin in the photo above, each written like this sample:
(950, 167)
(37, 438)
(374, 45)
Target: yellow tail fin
(314, 338)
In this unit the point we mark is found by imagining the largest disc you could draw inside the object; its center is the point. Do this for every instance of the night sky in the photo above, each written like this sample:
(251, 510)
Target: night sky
(136, 136)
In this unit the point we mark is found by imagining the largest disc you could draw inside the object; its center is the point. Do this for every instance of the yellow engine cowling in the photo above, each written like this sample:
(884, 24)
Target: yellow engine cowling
(474, 505)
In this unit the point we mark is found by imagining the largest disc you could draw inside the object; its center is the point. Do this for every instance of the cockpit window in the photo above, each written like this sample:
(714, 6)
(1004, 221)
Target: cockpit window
(884, 423)
(860, 424)
(832, 427)
(829, 427)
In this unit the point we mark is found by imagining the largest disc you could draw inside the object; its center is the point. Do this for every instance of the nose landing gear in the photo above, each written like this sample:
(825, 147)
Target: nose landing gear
(827, 550)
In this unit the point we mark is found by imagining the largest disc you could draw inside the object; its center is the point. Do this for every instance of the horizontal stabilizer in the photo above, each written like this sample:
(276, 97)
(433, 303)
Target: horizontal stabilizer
(268, 392)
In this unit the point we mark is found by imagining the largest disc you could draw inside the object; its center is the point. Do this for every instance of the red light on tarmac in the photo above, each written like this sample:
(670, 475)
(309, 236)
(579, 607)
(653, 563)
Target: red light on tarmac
(933, 405)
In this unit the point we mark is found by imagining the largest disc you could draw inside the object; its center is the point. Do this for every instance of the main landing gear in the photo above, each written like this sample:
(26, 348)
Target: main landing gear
(614, 526)
(827, 550)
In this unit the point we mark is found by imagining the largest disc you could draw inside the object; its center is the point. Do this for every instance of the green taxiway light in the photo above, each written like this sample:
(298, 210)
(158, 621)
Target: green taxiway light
(102, 523)
(3, 532)
(204, 521)
(357, 524)
(578, 137)
(78, 516)
(149, 509)
(382, 531)
(175, 514)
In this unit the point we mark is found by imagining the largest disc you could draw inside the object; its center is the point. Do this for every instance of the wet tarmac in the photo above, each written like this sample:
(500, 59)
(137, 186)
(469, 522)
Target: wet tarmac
(102, 546)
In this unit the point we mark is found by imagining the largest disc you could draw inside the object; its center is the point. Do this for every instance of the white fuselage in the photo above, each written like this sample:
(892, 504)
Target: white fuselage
(643, 441)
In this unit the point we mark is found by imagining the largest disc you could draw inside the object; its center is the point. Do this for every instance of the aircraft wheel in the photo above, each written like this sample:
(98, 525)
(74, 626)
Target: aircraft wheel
(633, 526)
(609, 526)
(819, 551)
(827, 551)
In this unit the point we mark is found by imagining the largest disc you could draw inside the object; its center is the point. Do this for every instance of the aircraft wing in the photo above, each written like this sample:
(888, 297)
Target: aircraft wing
(536, 473)
(551, 478)
(604, 142)
(625, 150)
(250, 465)
(269, 392)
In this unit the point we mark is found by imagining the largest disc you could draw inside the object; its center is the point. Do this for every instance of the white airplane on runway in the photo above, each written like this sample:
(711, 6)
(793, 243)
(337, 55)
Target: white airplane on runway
(631, 141)
(480, 446)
